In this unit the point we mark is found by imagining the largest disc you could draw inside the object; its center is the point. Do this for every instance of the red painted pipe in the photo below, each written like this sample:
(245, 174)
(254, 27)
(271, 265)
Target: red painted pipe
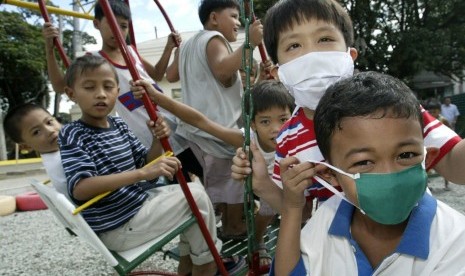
(56, 41)
(164, 141)
(167, 19)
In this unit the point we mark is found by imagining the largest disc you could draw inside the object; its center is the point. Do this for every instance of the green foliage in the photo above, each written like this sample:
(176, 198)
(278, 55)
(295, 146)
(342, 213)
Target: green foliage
(404, 37)
(22, 61)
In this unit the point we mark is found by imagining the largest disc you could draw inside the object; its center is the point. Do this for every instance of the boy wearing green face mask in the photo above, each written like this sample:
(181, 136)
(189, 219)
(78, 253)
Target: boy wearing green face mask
(369, 129)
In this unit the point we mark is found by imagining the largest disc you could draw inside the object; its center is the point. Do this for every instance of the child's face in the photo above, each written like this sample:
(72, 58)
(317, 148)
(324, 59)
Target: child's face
(374, 145)
(267, 125)
(227, 23)
(309, 36)
(108, 39)
(434, 112)
(95, 91)
(39, 130)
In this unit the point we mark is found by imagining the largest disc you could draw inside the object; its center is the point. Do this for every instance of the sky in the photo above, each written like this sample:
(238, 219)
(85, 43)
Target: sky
(146, 16)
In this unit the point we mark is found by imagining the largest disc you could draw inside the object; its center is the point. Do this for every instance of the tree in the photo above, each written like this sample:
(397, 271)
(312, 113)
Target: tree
(22, 61)
(405, 37)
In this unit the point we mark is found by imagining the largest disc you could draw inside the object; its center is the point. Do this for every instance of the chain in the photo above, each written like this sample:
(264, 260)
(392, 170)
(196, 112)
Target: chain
(247, 111)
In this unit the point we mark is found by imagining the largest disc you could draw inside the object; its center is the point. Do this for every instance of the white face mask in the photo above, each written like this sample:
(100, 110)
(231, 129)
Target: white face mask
(307, 77)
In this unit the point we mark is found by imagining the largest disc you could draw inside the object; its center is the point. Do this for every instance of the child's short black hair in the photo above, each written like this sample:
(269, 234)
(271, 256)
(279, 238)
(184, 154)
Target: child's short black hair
(362, 95)
(208, 6)
(284, 14)
(82, 64)
(433, 104)
(119, 8)
(12, 123)
(268, 94)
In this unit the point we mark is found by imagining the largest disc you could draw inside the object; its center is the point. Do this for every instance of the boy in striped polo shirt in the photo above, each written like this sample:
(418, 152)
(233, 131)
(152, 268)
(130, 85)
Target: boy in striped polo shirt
(99, 154)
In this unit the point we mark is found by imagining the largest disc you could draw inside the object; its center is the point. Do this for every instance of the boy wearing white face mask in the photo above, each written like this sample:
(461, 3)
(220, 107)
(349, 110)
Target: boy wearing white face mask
(370, 129)
(310, 40)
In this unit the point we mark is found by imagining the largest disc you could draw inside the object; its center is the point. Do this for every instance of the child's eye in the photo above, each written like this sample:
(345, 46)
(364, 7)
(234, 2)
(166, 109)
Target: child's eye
(265, 122)
(35, 132)
(88, 87)
(326, 39)
(407, 155)
(293, 46)
(361, 166)
(109, 87)
(284, 119)
(50, 122)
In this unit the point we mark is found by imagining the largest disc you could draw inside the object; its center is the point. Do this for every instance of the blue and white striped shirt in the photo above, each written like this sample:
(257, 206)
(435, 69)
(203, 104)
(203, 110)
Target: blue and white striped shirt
(88, 151)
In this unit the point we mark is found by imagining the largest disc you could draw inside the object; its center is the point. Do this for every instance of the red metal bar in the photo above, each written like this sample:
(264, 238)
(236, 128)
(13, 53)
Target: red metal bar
(167, 19)
(56, 41)
(132, 36)
(166, 146)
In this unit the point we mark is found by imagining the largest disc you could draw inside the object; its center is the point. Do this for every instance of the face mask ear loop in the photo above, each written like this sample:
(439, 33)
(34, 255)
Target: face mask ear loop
(332, 189)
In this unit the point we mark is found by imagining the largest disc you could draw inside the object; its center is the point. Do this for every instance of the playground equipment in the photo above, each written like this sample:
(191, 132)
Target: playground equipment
(230, 247)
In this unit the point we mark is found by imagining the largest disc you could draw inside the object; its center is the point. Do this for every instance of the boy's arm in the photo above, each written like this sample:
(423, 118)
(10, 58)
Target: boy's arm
(172, 73)
(54, 70)
(189, 115)
(296, 177)
(157, 72)
(224, 64)
(451, 165)
(90, 187)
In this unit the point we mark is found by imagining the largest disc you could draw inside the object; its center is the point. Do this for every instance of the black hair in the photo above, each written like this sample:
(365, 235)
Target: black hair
(268, 94)
(83, 64)
(208, 6)
(12, 121)
(284, 14)
(362, 95)
(119, 8)
(433, 104)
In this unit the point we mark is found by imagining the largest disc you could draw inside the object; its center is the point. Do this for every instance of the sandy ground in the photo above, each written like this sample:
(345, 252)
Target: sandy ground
(33, 243)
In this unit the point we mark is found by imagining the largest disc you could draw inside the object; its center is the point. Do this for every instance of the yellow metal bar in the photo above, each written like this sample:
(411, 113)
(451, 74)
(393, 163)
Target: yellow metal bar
(35, 6)
(100, 196)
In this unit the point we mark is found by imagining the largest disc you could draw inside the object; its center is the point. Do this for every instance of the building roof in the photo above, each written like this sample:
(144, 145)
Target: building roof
(152, 49)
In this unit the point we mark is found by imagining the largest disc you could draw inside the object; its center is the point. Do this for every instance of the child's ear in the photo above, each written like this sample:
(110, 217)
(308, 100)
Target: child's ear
(96, 24)
(431, 154)
(353, 53)
(212, 18)
(329, 176)
(70, 93)
(253, 126)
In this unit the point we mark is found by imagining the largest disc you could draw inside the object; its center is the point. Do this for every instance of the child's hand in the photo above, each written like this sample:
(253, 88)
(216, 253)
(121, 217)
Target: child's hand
(265, 70)
(140, 87)
(166, 166)
(175, 36)
(256, 33)
(241, 168)
(296, 177)
(160, 128)
(49, 32)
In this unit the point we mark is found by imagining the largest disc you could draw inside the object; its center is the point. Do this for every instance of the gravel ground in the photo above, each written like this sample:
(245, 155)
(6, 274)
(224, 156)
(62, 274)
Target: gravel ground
(34, 243)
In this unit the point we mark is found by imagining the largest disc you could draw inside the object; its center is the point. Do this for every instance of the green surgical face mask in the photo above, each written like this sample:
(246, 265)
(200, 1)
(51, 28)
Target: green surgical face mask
(387, 198)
